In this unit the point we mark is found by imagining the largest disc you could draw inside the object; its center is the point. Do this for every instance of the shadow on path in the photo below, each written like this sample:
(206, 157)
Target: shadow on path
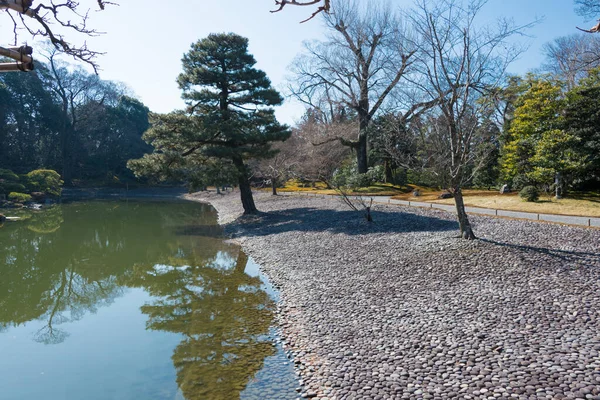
(567, 256)
(307, 219)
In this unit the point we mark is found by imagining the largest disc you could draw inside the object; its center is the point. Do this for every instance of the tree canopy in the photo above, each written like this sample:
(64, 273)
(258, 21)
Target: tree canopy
(229, 117)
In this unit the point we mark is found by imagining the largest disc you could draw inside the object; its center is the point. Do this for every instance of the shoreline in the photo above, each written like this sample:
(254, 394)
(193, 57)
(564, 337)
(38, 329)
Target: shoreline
(403, 309)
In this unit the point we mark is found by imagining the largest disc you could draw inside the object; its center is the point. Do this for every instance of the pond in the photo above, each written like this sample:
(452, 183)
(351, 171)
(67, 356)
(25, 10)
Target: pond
(134, 300)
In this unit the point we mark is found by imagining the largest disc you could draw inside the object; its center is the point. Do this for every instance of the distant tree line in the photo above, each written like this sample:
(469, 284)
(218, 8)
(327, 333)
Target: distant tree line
(63, 118)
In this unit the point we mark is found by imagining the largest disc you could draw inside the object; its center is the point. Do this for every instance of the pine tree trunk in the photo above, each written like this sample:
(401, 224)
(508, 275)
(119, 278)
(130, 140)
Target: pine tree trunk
(466, 232)
(245, 190)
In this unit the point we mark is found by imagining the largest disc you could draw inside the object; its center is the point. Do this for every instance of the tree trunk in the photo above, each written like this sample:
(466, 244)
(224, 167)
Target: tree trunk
(389, 176)
(245, 190)
(558, 186)
(466, 232)
(274, 186)
(361, 148)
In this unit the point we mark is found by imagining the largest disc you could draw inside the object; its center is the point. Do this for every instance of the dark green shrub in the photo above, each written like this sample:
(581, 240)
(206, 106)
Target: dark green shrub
(46, 181)
(8, 175)
(529, 193)
(9, 182)
(348, 176)
(8, 187)
(521, 181)
(19, 197)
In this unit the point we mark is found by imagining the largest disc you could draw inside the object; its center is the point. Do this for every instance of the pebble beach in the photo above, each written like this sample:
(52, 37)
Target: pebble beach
(402, 308)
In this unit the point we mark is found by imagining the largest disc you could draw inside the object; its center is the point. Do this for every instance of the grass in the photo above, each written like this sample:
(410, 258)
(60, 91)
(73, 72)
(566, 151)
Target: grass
(379, 189)
(578, 204)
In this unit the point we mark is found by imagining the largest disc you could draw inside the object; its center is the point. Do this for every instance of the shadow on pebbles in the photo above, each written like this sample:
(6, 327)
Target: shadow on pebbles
(403, 309)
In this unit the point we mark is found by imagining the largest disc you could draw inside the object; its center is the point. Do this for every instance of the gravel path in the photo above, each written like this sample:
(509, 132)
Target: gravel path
(402, 309)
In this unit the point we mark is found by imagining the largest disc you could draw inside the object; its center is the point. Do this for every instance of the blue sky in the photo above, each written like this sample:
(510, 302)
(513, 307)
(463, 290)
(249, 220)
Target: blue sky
(145, 39)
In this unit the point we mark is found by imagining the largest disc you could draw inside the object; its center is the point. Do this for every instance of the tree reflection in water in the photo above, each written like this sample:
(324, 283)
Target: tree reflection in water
(223, 314)
(69, 261)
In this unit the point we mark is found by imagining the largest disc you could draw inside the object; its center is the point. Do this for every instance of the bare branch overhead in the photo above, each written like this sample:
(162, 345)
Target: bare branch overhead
(324, 7)
(47, 19)
(593, 29)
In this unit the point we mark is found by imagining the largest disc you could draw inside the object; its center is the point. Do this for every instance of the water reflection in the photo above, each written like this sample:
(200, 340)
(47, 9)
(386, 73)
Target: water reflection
(59, 266)
(223, 315)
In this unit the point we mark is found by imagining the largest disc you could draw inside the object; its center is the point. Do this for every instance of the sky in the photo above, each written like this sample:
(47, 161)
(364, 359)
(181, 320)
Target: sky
(145, 40)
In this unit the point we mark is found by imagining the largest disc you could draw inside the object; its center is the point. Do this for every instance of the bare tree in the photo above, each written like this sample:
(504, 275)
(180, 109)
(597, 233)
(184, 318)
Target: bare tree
(314, 158)
(367, 54)
(461, 60)
(277, 169)
(570, 58)
(72, 89)
(43, 20)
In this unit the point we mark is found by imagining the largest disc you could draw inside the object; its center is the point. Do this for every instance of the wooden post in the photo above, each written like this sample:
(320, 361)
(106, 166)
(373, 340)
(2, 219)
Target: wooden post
(20, 6)
(15, 67)
(20, 54)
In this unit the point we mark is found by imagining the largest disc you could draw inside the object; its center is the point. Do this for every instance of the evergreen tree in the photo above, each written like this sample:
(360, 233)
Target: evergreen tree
(539, 148)
(229, 116)
(582, 119)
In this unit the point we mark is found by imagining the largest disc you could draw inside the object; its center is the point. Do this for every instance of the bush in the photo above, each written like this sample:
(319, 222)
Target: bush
(8, 175)
(46, 181)
(19, 197)
(348, 176)
(521, 181)
(8, 187)
(529, 193)
(9, 182)
(424, 178)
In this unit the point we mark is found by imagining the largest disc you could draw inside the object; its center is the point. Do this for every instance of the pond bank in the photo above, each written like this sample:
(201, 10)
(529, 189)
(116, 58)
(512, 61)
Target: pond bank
(401, 308)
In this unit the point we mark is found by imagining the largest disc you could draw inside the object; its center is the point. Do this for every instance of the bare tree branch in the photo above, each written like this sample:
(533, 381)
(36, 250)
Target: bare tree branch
(46, 17)
(325, 7)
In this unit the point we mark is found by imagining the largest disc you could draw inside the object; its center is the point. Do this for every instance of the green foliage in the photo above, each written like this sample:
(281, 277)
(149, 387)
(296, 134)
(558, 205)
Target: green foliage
(6, 188)
(229, 117)
(487, 153)
(8, 175)
(425, 177)
(521, 180)
(530, 193)
(9, 182)
(582, 121)
(348, 176)
(539, 146)
(44, 180)
(83, 121)
(19, 197)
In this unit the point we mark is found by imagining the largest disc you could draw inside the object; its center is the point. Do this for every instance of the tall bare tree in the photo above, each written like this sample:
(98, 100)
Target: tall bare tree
(461, 60)
(367, 54)
(72, 89)
(570, 58)
(49, 20)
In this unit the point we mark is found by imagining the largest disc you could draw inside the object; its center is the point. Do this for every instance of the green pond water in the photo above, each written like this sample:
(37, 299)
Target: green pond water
(134, 300)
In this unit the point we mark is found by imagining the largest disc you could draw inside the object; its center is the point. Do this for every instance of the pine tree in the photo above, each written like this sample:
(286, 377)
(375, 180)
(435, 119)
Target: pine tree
(582, 119)
(229, 115)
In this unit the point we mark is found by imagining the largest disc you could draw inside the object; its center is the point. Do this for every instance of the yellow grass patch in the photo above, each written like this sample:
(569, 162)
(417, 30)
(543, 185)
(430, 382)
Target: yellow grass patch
(580, 205)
